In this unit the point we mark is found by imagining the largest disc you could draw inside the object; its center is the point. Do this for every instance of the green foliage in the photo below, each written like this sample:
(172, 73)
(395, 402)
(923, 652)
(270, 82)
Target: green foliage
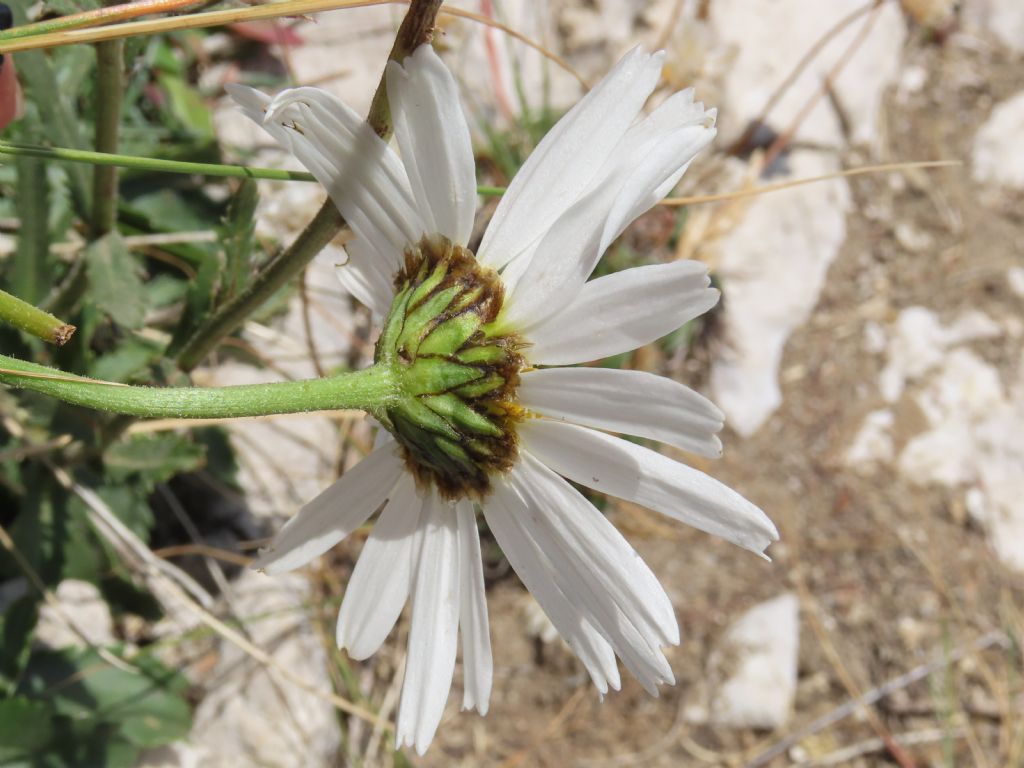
(114, 281)
(17, 625)
(72, 708)
(222, 274)
(26, 729)
(152, 459)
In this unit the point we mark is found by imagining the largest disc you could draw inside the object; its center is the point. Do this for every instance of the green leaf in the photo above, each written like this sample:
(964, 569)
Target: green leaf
(115, 285)
(26, 729)
(155, 458)
(146, 708)
(128, 359)
(129, 503)
(187, 105)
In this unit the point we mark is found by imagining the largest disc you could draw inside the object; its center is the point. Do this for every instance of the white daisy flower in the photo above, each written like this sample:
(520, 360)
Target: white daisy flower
(482, 422)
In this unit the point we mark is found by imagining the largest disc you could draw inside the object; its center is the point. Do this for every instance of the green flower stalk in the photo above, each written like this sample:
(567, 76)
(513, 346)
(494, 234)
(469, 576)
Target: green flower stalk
(372, 389)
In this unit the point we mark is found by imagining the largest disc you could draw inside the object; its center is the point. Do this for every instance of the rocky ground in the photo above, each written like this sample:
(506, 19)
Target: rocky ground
(869, 355)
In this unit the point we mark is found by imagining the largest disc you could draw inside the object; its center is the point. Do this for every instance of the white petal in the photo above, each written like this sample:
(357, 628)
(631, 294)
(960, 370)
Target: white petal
(433, 638)
(368, 276)
(382, 437)
(620, 468)
(253, 103)
(566, 161)
(614, 564)
(334, 514)
(635, 621)
(570, 250)
(380, 581)
(621, 312)
(434, 138)
(363, 176)
(630, 402)
(536, 573)
(478, 668)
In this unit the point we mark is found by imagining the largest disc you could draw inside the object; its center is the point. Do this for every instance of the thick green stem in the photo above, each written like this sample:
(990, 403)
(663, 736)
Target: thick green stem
(317, 234)
(416, 29)
(109, 90)
(33, 320)
(370, 389)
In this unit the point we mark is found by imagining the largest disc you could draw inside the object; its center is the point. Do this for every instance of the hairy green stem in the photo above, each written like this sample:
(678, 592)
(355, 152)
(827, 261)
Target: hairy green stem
(370, 389)
(416, 29)
(33, 320)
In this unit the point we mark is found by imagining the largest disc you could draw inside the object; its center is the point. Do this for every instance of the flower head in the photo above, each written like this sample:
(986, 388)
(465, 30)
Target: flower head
(481, 420)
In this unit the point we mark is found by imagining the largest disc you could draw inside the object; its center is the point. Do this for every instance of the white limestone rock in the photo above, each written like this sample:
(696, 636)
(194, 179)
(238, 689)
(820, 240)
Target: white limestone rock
(1015, 279)
(919, 343)
(769, 38)
(1002, 18)
(773, 267)
(761, 650)
(873, 444)
(972, 439)
(995, 156)
(247, 719)
(82, 608)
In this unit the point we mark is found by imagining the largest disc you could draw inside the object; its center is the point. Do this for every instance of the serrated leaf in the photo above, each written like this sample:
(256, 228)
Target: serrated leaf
(236, 237)
(115, 285)
(156, 458)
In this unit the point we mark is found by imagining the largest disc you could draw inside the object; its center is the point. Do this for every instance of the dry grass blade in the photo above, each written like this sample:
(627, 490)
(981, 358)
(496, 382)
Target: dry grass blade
(884, 168)
(286, 8)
